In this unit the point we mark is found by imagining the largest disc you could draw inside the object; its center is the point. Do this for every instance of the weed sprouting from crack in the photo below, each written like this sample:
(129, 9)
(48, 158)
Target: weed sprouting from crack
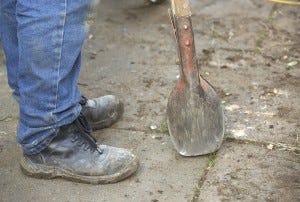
(272, 13)
(211, 160)
(164, 128)
(210, 164)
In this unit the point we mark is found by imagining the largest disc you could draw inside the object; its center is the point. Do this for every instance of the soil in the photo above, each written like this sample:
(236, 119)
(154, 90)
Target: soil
(248, 50)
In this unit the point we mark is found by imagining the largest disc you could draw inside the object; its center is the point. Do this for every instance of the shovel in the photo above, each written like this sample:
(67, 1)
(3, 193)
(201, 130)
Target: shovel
(195, 116)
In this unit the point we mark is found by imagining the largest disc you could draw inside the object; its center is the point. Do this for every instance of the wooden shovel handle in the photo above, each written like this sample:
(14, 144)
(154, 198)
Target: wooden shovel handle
(181, 8)
(182, 24)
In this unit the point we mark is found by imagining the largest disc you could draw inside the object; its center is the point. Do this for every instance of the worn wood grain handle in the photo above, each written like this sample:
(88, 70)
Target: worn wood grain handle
(181, 8)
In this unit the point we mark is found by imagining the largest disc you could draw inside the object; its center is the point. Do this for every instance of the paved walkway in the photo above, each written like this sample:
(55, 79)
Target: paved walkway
(247, 50)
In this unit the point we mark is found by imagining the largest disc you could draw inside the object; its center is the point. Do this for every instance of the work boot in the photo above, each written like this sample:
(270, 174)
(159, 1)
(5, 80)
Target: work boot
(75, 155)
(102, 112)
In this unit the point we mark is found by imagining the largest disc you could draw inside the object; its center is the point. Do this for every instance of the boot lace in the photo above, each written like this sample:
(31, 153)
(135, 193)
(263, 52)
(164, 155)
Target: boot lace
(87, 141)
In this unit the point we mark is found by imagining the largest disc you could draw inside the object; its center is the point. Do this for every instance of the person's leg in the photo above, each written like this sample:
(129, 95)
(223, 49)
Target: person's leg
(9, 40)
(50, 34)
(55, 136)
(100, 112)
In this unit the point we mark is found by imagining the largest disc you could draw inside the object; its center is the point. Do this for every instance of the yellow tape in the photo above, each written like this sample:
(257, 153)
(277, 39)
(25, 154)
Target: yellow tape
(286, 2)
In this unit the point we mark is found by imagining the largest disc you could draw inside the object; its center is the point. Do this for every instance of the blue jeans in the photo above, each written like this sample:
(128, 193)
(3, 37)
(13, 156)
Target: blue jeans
(42, 41)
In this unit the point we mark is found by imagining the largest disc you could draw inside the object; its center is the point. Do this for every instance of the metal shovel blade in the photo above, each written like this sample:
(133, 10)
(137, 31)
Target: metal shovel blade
(194, 113)
(195, 119)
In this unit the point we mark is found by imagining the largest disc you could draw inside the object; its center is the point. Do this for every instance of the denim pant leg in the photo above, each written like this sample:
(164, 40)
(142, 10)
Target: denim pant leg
(9, 40)
(50, 37)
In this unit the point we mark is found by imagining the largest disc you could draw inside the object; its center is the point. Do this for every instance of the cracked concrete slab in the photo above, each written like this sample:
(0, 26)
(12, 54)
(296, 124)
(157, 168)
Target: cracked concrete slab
(246, 172)
(243, 49)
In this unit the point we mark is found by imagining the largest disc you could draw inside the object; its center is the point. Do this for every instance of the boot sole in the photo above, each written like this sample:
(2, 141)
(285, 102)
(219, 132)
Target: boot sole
(51, 172)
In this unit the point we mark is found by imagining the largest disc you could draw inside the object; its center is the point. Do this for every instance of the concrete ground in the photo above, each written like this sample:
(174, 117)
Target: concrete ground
(249, 50)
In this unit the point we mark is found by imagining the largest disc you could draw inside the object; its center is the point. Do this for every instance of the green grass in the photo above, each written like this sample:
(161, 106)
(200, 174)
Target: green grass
(212, 158)
(164, 128)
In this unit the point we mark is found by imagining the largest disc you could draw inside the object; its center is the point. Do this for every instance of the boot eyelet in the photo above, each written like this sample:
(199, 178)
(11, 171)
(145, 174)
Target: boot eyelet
(99, 150)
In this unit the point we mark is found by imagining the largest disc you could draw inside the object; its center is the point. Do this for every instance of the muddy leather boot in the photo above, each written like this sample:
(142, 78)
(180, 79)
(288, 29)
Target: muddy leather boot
(102, 112)
(75, 155)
